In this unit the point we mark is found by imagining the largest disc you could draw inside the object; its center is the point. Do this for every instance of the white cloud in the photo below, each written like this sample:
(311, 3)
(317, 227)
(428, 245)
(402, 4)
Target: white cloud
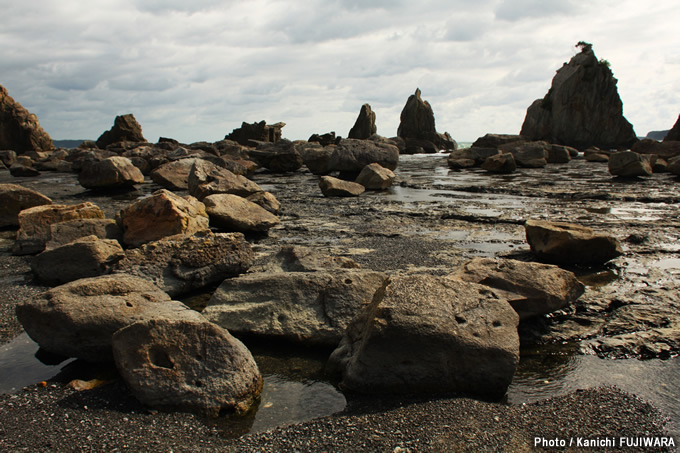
(196, 70)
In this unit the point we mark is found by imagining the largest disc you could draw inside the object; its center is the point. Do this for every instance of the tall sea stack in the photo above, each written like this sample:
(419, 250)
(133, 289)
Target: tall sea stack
(582, 107)
(19, 129)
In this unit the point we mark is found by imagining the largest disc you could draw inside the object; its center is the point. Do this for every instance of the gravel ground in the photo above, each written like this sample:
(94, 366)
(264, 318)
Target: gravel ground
(57, 418)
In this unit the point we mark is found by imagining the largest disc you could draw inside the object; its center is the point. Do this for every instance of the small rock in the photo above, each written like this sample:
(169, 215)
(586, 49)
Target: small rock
(334, 187)
(233, 213)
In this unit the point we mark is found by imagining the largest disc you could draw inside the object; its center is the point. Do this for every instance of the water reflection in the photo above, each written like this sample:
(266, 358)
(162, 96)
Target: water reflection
(558, 371)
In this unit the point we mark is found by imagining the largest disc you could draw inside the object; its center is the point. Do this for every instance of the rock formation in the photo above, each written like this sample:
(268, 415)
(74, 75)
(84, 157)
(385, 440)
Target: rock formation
(364, 126)
(256, 131)
(428, 334)
(187, 365)
(417, 126)
(111, 173)
(125, 129)
(582, 107)
(674, 133)
(230, 212)
(19, 129)
(14, 199)
(78, 319)
(568, 243)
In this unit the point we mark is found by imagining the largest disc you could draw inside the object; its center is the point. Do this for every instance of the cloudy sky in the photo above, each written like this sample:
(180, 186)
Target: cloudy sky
(195, 69)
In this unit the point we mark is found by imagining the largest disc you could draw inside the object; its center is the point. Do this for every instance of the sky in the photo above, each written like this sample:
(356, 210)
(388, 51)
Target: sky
(194, 70)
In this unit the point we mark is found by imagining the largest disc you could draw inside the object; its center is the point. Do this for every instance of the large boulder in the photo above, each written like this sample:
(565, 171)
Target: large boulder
(310, 307)
(376, 177)
(180, 265)
(417, 123)
(187, 365)
(529, 154)
(428, 334)
(500, 163)
(35, 224)
(20, 130)
(68, 231)
(174, 175)
(279, 157)
(531, 288)
(496, 140)
(560, 154)
(78, 319)
(582, 107)
(315, 157)
(364, 127)
(125, 129)
(469, 157)
(568, 243)
(207, 179)
(233, 213)
(85, 257)
(14, 199)
(666, 149)
(674, 166)
(335, 187)
(111, 173)
(628, 164)
(160, 215)
(261, 132)
(352, 155)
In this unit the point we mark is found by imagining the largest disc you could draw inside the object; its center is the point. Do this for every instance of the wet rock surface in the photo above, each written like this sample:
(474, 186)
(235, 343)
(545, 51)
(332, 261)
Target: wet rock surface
(430, 222)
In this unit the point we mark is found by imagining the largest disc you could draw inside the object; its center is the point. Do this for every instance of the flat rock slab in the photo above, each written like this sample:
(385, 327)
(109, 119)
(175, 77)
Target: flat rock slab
(308, 307)
(187, 365)
(14, 199)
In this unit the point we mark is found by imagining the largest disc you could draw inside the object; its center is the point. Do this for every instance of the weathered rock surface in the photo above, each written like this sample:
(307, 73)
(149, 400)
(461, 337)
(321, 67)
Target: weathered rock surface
(353, 155)
(179, 265)
(500, 163)
(110, 173)
(594, 154)
(295, 258)
(531, 288)
(14, 199)
(125, 129)
(470, 157)
(529, 154)
(559, 154)
(426, 334)
(628, 164)
(674, 166)
(207, 178)
(582, 107)
(496, 140)
(364, 126)
(233, 213)
(376, 177)
(86, 257)
(20, 130)
(35, 224)
(309, 307)
(267, 200)
(187, 365)
(279, 157)
(20, 170)
(68, 231)
(335, 187)
(315, 157)
(160, 215)
(78, 319)
(174, 175)
(417, 122)
(674, 134)
(261, 132)
(568, 243)
(666, 149)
